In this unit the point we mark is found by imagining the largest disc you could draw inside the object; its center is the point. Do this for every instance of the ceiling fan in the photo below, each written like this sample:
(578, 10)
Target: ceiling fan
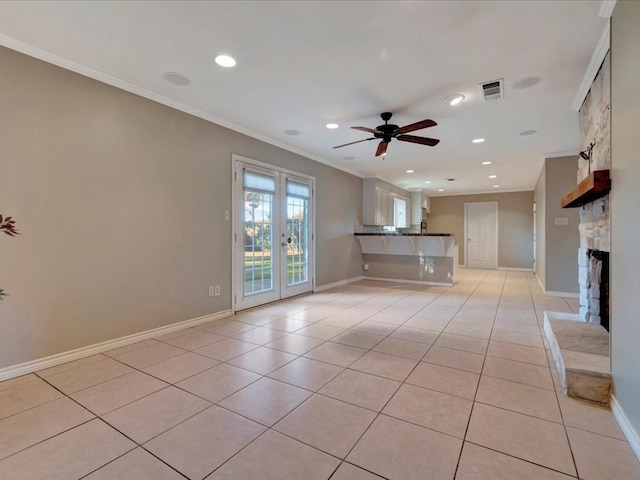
(388, 131)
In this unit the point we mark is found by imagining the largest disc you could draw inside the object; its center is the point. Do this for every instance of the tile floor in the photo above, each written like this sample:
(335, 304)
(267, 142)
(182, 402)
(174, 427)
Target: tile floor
(367, 381)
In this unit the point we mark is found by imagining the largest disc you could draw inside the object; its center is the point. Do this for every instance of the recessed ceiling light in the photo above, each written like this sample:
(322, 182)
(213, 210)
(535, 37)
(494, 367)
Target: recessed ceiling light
(454, 99)
(477, 140)
(441, 189)
(486, 163)
(410, 171)
(528, 132)
(292, 132)
(496, 186)
(427, 181)
(493, 176)
(225, 61)
(176, 79)
(526, 82)
(332, 125)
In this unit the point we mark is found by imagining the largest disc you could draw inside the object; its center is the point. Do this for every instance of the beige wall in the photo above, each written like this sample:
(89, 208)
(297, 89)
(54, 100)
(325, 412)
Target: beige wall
(515, 224)
(121, 203)
(561, 242)
(625, 199)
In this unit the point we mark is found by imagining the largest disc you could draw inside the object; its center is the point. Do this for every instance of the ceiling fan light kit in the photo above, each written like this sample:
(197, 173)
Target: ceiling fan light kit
(385, 133)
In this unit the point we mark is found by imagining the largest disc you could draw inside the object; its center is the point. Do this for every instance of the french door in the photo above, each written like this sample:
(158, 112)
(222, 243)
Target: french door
(273, 234)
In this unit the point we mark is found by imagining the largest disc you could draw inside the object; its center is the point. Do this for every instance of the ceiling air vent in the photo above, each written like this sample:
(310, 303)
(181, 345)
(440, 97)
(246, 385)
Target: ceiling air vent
(492, 90)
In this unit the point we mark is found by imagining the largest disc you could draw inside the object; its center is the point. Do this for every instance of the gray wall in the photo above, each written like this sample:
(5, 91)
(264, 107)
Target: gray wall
(121, 203)
(541, 254)
(561, 242)
(515, 224)
(625, 199)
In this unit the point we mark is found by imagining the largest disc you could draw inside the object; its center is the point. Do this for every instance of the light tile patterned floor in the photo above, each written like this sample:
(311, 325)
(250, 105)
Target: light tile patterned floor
(367, 381)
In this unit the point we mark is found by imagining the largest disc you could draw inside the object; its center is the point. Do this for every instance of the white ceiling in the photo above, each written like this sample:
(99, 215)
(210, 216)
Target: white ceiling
(302, 64)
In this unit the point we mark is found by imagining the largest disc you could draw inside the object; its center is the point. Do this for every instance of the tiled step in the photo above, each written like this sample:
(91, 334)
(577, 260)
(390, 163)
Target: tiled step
(581, 355)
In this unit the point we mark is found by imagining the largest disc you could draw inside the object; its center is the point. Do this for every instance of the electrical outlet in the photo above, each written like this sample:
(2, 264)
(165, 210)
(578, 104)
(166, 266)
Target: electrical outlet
(365, 267)
(216, 290)
(212, 291)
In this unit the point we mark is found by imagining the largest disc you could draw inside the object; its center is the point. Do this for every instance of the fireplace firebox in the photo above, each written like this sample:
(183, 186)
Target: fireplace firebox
(594, 287)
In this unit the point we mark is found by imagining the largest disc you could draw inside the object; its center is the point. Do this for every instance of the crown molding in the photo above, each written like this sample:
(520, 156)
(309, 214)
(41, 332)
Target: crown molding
(606, 8)
(602, 47)
(86, 71)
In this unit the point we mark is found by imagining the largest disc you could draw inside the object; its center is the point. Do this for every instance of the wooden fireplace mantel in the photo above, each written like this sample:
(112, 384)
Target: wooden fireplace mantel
(596, 185)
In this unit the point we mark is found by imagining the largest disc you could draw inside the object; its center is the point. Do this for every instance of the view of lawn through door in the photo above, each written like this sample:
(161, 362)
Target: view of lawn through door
(275, 228)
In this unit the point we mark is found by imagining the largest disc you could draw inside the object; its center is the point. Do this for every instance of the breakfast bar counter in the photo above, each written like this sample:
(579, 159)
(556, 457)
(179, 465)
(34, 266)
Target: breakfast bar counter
(429, 258)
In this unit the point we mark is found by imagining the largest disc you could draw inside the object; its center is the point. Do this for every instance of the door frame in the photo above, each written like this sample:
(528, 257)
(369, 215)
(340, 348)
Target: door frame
(466, 238)
(235, 160)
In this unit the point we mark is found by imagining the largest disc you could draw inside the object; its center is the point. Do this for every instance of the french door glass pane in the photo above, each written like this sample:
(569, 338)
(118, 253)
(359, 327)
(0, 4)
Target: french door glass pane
(297, 232)
(258, 232)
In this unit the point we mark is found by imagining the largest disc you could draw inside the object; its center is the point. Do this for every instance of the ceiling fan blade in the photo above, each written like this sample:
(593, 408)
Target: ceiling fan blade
(382, 148)
(415, 126)
(421, 140)
(357, 141)
(366, 129)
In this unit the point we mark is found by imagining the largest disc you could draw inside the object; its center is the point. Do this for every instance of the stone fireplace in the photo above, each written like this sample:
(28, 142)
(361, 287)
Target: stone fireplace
(594, 225)
(580, 343)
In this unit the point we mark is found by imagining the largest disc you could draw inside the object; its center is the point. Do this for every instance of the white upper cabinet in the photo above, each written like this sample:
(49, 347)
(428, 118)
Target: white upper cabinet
(419, 201)
(381, 207)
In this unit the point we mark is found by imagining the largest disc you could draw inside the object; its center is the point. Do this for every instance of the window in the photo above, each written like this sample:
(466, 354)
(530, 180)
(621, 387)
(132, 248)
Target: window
(400, 212)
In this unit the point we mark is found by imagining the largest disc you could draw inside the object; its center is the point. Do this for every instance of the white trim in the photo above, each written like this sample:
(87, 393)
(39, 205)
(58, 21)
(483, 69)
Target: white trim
(327, 286)
(417, 282)
(540, 282)
(600, 51)
(564, 153)
(606, 8)
(630, 433)
(551, 293)
(512, 269)
(481, 192)
(64, 357)
(67, 64)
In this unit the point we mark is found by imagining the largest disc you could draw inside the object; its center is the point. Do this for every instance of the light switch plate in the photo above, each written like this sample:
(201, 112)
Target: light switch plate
(561, 221)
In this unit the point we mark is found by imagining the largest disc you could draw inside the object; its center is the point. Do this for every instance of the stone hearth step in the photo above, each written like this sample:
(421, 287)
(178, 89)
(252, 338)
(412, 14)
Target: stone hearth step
(581, 355)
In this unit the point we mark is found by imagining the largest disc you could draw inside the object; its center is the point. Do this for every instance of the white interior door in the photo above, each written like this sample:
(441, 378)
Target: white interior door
(273, 234)
(481, 226)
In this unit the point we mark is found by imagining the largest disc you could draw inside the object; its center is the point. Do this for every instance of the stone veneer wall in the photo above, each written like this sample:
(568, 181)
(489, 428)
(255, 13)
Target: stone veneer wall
(595, 232)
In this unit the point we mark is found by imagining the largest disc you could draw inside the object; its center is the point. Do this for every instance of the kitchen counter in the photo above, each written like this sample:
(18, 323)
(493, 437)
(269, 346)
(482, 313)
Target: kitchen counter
(430, 258)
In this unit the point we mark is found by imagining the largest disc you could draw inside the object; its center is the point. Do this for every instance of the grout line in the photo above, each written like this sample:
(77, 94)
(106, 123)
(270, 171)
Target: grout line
(466, 431)
(396, 298)
(564, 426)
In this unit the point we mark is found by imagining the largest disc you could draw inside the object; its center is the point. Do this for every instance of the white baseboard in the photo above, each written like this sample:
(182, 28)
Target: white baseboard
(561, 294)
(630, 433)
(418, 282)
(510, 269)
(64, 357)
(327, 286)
